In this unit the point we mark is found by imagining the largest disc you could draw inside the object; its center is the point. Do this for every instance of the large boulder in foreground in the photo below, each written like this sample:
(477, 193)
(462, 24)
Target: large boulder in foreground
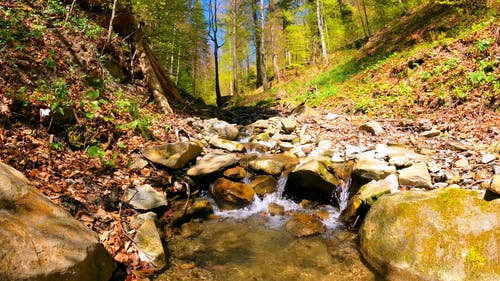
(41, 241)
(444, 234)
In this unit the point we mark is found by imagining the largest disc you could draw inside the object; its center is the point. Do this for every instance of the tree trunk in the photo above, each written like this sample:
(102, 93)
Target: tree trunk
(366, 19)
(321, 33)
(218, 96)
(110, 27)
(177, 71)
(262, 46)
(235, 49)
(195, 68)
(361, 18)
(258, 55)
(213, 29)
(158, 79)
(276, 68)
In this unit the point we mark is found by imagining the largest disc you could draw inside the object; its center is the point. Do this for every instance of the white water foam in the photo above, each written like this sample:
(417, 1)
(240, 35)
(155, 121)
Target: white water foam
(260, 207)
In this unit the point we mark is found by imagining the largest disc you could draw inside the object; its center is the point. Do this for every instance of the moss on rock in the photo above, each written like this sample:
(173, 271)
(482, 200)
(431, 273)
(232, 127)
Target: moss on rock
(446, 234)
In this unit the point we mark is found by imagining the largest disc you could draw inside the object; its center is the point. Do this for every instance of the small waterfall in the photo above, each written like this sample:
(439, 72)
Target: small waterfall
(342, 194)
(280, 187)
(246, 135)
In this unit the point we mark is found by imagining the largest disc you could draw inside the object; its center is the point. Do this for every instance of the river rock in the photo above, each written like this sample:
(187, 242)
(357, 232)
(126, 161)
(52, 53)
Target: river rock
(416, 175)
(461, 163)
(235, 174)
(268, 166)
(373, 169)
(172, 155)
(312, 180)
(373, 127)
(261, 124)
(144, 197)
(263, 185)
(289, 124)
(220, 128)
(459, 145)
(495, 184)
(228, 145)
(430, 133)
(231, 195)
(444, 234)
(275, 209)
(366, 196)
(494, 148)
(212, 163)
(149, 242)
(41, 241)
(199, 209)
(301, 225)
(487, 158)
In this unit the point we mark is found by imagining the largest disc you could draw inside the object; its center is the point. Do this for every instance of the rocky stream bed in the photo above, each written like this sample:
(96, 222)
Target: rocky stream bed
(304, 197)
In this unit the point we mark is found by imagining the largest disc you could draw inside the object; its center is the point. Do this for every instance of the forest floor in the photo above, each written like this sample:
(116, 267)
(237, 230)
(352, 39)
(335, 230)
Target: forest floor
(80, 155)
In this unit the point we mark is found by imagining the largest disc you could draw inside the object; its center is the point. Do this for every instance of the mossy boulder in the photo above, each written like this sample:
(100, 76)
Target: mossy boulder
(444, 234)
(172, 155)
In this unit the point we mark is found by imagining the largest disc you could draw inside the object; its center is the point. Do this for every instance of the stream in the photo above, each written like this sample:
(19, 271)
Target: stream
(252, 243)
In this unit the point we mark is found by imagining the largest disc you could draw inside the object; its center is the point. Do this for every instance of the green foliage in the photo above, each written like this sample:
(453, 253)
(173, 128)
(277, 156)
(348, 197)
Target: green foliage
(106, 162)
(56, 145)
(62, 100)
(141, 124)
(50, 61)
(55, 7)
(89, 28)
(483, 44)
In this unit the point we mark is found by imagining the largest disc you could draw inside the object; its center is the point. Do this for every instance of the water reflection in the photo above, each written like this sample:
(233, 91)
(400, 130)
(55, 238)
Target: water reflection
(233, 250)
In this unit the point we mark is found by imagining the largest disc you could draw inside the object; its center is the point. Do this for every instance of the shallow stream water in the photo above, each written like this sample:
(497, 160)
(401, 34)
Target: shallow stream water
(253, 249)
(250, 244)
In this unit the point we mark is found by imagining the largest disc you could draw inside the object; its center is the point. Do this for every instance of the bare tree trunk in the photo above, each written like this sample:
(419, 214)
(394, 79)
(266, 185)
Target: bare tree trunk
(321, 33)
(262, 46)
(158, 79)
(361, 18)
(110, 27)
(213, 29)
(178, 67)
(235, 49)
(195, 68)
(366, 19)
(276, 68)
(257, 36)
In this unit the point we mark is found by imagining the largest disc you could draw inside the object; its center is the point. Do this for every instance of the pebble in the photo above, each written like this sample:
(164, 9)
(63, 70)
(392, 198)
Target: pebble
(487, 158)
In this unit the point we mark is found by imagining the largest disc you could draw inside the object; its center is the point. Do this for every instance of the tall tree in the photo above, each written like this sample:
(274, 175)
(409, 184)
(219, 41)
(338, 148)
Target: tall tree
(321, 32)
(234, 49)
(262, 45)
(257, 41)
(213, 29)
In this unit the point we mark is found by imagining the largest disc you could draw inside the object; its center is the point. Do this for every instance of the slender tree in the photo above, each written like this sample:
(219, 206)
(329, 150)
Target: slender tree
(257, 41)
(262, 45)
(213, 30)
(321, 32)
(234, 47)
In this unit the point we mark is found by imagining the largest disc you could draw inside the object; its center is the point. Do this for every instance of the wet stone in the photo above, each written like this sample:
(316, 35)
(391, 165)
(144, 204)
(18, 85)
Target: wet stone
(276, 209)
(264, 184)
(236, 173)
(301, 225)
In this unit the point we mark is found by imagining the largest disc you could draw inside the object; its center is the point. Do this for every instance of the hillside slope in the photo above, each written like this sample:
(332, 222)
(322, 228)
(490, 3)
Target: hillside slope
(436, 62)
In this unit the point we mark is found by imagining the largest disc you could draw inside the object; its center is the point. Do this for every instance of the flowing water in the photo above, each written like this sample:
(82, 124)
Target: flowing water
(250, 244)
